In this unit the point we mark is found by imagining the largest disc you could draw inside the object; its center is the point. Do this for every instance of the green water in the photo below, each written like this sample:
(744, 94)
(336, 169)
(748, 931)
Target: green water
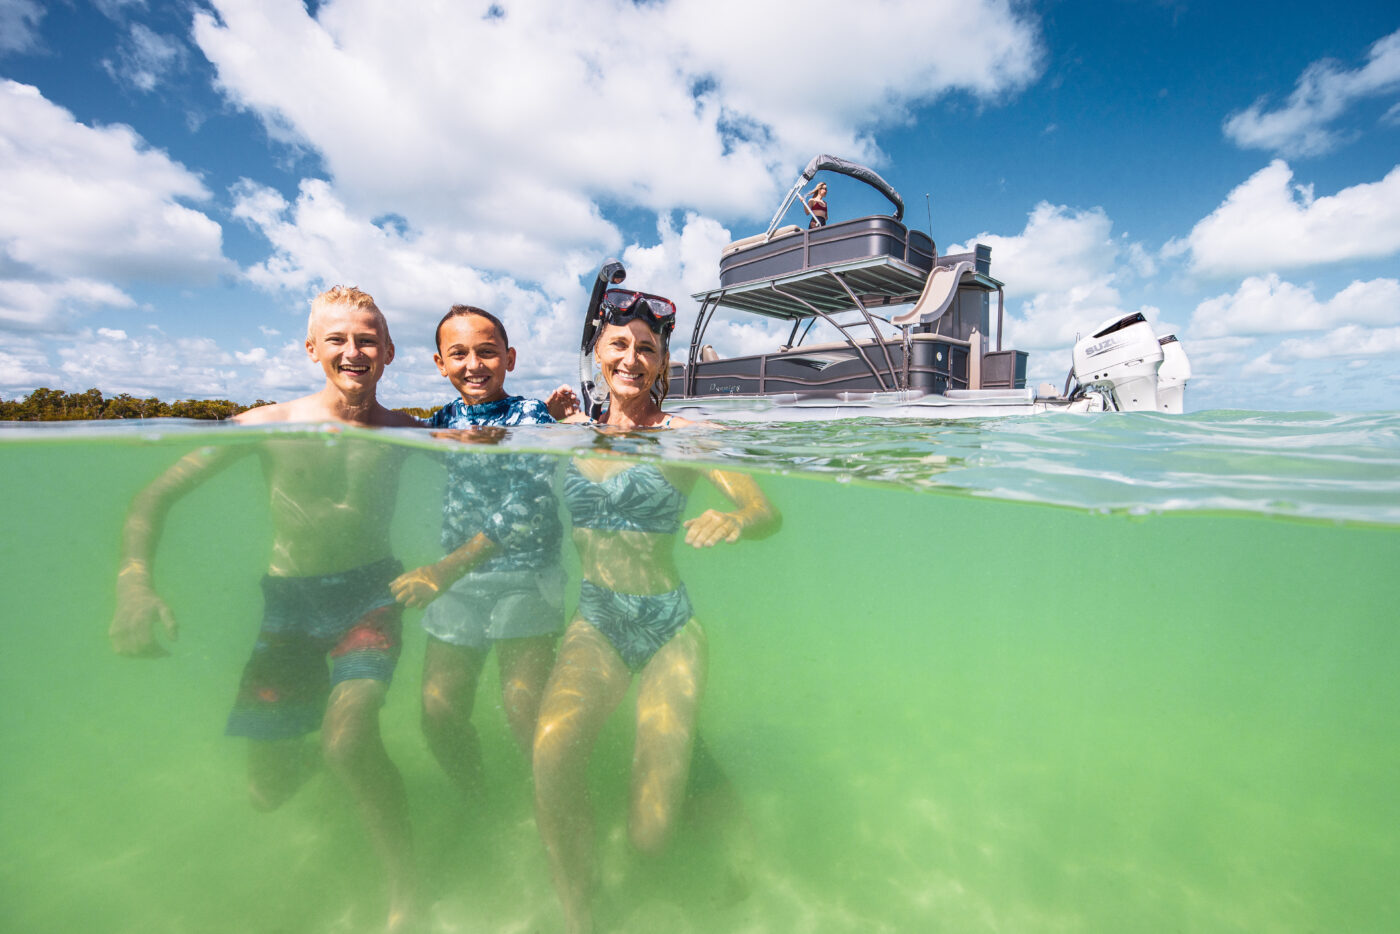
(936, 711)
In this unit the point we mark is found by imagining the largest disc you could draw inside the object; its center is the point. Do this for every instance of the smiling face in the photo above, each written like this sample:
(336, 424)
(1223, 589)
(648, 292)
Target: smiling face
(631, 357)
(351, 344)
(473, 355)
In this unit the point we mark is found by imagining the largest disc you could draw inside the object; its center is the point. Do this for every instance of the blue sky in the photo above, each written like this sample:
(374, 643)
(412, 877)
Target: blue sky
(177, 179)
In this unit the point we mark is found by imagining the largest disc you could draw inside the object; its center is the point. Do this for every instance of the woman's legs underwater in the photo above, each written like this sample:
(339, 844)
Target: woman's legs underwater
(668, 703)
(588, 682)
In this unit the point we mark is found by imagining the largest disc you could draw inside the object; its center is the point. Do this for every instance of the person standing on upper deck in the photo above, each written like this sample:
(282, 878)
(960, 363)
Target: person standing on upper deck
(815, 205)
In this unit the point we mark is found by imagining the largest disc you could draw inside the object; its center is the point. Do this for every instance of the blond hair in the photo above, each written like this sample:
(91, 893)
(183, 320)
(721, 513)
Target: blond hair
(343, 295)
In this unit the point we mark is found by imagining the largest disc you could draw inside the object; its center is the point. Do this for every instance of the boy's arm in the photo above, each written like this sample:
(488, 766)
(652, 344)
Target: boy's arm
(756, 517)
(139, 607)
(421, 586)
(515, 511)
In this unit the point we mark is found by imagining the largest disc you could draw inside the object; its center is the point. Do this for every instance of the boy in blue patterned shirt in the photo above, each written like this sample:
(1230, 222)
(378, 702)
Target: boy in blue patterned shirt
(501, 583)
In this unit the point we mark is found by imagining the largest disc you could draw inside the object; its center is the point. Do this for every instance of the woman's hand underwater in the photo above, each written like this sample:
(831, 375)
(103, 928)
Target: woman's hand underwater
(712, 527)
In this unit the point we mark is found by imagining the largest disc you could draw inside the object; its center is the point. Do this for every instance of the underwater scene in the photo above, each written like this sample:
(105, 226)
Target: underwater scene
(1055, 674)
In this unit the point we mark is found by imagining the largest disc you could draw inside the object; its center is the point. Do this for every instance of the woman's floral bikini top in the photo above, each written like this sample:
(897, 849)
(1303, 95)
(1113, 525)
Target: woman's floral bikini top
(638, 499)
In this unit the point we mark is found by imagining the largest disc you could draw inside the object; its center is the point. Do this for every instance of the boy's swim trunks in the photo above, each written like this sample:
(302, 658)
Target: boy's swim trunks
(350, 616)
(485, 606)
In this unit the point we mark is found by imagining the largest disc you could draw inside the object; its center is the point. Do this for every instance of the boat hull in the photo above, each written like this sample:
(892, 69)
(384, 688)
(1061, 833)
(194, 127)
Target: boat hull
(788, 407)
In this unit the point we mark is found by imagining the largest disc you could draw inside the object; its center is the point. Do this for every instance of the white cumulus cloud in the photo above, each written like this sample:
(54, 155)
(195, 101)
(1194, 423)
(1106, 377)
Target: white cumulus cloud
(1303, 126)
(42, 306)
(151, 366)
(1062, 275)
(280, 373)
(24, 365)
(1351, 340)
(96, 202)
(1270, 305)
(1354, 343)
(529, 123)
(1268, 223)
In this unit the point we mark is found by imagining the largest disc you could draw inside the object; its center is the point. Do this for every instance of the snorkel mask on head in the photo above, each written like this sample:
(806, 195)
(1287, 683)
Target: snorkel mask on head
(620, 306)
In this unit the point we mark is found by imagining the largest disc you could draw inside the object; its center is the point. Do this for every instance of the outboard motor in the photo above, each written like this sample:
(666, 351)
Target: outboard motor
(1121, 358)
(1172, 376)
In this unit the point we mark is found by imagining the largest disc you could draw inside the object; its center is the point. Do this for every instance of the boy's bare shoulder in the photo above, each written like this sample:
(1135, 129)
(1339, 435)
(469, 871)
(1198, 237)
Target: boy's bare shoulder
(389, 418)
(266, 414)
(306, 410)
(312, 410)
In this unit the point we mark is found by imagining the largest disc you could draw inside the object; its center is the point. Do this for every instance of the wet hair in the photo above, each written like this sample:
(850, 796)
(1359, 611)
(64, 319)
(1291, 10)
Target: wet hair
(662, 386)
(463, 311)
(348, 296)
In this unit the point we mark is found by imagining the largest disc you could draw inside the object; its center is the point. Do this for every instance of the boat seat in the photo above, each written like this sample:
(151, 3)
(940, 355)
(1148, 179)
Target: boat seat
(758, 238)
(708, 354)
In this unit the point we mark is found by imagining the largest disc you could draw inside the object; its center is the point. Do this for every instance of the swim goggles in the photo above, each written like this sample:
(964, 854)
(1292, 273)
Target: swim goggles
(620, 306)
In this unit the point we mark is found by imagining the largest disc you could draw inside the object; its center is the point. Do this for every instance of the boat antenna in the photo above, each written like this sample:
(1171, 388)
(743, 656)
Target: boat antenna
(929, 206)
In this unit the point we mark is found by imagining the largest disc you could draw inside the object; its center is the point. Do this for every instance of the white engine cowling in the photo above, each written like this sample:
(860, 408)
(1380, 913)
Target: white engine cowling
(1172, 376)
(1122, 356)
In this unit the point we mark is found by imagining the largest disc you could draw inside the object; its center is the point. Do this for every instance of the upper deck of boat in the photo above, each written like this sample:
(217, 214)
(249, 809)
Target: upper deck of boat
(866, 262)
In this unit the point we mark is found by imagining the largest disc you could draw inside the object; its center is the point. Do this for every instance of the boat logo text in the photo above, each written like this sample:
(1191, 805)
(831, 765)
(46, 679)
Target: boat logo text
(1108, 343)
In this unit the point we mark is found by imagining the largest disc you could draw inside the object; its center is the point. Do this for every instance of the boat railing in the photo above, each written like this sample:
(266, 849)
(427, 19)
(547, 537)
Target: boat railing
(980, 256)
(887, 380)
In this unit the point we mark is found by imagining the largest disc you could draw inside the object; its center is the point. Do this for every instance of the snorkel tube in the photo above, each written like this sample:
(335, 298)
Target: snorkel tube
(610, 274)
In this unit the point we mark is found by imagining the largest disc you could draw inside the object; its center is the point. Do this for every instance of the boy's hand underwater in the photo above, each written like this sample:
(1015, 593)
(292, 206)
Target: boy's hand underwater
(138, 609)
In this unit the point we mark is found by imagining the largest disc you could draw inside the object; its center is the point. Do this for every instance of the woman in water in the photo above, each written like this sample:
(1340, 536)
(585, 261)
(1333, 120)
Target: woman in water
(634, 618)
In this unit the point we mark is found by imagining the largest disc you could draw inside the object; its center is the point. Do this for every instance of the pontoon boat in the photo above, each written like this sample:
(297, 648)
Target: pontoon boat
(935, 359)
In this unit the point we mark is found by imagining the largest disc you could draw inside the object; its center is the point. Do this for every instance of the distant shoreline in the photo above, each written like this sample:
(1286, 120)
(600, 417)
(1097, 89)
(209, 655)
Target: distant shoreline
(55, 405)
